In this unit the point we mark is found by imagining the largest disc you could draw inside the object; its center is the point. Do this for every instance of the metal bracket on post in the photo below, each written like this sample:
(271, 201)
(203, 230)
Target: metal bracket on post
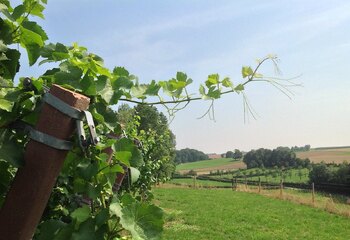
(92, 139)
(79, 116)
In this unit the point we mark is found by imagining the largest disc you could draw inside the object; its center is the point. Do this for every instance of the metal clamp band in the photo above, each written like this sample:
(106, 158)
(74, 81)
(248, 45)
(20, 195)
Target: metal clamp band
(62, 106)
(50, 140)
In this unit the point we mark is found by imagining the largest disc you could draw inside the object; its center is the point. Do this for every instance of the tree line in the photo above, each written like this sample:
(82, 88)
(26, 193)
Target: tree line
(330, 173)
(189, 155)
(279, 157)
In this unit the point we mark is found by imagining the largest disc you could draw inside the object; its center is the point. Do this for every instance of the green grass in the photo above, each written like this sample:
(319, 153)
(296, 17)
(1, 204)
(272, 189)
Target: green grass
(205, 164)
(189, 182)
(224, 214)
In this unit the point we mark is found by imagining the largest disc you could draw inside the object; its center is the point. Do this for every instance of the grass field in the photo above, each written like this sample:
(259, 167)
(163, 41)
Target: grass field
(205, 164)
(328, 155)
(224, 214)
(204, 167)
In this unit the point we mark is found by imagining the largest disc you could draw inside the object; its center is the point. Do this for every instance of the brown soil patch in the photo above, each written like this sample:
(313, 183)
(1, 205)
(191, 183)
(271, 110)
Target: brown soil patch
(328, 156)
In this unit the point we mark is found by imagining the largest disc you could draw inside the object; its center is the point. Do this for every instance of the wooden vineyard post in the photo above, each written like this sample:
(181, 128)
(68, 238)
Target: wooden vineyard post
(313, 193)
(33, 183)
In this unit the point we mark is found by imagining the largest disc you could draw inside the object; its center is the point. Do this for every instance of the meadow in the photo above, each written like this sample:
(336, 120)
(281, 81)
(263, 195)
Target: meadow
(225, 214)
(207, 164)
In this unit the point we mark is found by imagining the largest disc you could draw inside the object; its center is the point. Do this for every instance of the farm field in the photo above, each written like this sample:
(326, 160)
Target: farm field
(206, 166)
(328, 155)
(224, 214)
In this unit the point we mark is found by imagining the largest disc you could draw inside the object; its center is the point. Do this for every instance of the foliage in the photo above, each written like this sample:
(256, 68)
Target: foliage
(279, 157)
(189, 155)
(92, 177)
(151, 128)
(237, 154)
(229, 154)
(330, 173)
(301, 149)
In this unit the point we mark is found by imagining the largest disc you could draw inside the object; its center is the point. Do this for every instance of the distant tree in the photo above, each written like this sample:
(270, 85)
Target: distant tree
(229, 154)
(237, 154)
(279, 157)
(189, 155)
(320, 173)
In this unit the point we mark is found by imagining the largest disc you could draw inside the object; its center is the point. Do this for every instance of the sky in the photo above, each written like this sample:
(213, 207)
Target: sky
(155, 39)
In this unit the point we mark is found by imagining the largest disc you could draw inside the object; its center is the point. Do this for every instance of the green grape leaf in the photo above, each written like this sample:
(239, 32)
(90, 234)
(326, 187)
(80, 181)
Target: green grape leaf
(34, 27)
(33, 52)
(49, 229)
(127, 145)
(102, 217)
(3, 47)
(246, 71)
(213, 79)
(152, 88)
(120, 71)
(30, 37)
(123, 156)
(34, 8)
(143, 220)
(180, 76)
(88, 86)
(6, 30)
(81, 214)
(239, 87)
(6, 105)
(122, 82)
(87, 170)
(86, 231)
(139, 91)
(11, 65)
(214, 93)
(18, 11)
(10, 150)
(226, 82)
(104, 89)
(135, 174)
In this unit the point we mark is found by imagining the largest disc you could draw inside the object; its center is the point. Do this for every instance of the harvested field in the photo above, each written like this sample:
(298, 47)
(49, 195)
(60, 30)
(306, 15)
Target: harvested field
(336, 155)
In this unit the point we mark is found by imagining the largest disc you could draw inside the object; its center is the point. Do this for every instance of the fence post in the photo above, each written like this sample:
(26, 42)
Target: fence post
(246, 183)
(194, 181)
(259, 185)
(232, 184)
(33, 183)
(313, 193)
(281, 188)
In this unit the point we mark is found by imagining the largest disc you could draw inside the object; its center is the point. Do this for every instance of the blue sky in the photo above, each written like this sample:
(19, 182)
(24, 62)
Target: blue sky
(155, 39)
